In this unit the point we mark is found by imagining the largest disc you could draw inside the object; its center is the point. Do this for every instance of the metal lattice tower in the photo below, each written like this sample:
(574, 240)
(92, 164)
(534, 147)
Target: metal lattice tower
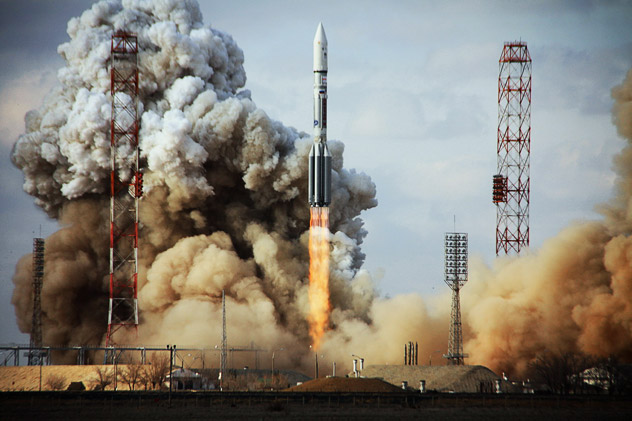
(511, 186)
(125, 185)
(455, 277)
(38, 277)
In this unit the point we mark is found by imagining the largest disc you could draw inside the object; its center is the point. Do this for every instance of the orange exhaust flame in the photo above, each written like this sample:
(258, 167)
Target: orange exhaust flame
(319, 306)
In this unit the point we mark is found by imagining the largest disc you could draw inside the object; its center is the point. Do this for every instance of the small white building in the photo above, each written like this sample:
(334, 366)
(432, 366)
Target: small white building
(184, 379)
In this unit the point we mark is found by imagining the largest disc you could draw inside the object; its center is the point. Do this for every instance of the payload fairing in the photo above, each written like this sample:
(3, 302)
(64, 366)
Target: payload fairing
(319, 189)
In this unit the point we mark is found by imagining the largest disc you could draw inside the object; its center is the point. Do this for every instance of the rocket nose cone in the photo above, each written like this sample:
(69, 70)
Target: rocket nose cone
(320, 37)
(320, 49)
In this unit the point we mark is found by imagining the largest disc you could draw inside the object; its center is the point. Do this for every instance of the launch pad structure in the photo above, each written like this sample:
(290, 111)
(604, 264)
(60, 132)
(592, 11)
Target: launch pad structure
(125, 186)
(511, 184)
(456, 245)
(36, 357)
(185, 356)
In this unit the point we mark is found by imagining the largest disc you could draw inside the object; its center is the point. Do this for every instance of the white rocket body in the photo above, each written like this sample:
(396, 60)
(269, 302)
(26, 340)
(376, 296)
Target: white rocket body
(319, 189)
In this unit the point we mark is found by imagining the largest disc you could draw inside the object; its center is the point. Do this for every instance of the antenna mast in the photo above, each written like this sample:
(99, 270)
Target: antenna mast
(125, 186)
(511, 184)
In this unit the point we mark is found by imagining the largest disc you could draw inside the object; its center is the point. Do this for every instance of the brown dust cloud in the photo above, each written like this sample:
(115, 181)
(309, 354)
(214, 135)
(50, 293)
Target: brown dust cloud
(225, 209)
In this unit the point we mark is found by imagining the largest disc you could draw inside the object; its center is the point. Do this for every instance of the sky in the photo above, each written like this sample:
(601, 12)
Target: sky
(412, 89)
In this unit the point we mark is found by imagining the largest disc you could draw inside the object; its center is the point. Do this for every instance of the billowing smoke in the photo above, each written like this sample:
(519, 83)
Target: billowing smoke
(573, 295)
(225, 208)
(225, 194)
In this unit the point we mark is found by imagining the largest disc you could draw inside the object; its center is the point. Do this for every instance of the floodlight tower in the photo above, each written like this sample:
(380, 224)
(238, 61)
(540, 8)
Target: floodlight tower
(38, 277)
(511, 184)
(125, 185)
(455, 278)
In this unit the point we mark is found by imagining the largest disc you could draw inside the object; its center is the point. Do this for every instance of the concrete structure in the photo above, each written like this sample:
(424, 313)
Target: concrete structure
(445, 379)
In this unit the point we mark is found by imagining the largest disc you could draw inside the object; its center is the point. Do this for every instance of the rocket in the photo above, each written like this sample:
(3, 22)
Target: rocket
(319, 189)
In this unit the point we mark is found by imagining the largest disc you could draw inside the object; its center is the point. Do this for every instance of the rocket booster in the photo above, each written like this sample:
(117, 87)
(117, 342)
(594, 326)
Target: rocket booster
(319, 189)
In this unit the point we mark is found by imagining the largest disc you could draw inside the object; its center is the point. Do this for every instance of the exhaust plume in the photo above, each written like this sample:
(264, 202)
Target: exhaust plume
(319, 306)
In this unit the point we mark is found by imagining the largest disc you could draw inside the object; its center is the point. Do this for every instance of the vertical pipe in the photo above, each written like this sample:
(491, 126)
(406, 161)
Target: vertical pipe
(171, 348)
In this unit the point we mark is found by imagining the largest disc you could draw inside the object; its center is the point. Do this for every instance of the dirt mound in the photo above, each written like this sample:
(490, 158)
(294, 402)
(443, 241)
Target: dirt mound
(458, 379)
(345, 384)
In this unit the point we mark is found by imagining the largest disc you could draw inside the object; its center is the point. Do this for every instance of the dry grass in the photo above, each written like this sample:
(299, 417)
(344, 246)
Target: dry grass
(27, 378)
(55, 382)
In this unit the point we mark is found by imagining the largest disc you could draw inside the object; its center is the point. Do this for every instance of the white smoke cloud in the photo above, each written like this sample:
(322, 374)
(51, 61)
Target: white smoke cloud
(225, 187)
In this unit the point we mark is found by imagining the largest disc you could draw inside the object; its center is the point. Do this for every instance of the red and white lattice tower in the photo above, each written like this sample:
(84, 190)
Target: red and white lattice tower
(511, 184)
(125, 185)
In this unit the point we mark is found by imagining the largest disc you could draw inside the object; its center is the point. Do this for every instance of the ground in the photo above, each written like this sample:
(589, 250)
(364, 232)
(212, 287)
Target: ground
(308, 405)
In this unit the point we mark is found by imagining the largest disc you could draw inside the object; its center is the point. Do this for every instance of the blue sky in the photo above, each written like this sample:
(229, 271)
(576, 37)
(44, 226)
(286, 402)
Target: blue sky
(412, 94)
